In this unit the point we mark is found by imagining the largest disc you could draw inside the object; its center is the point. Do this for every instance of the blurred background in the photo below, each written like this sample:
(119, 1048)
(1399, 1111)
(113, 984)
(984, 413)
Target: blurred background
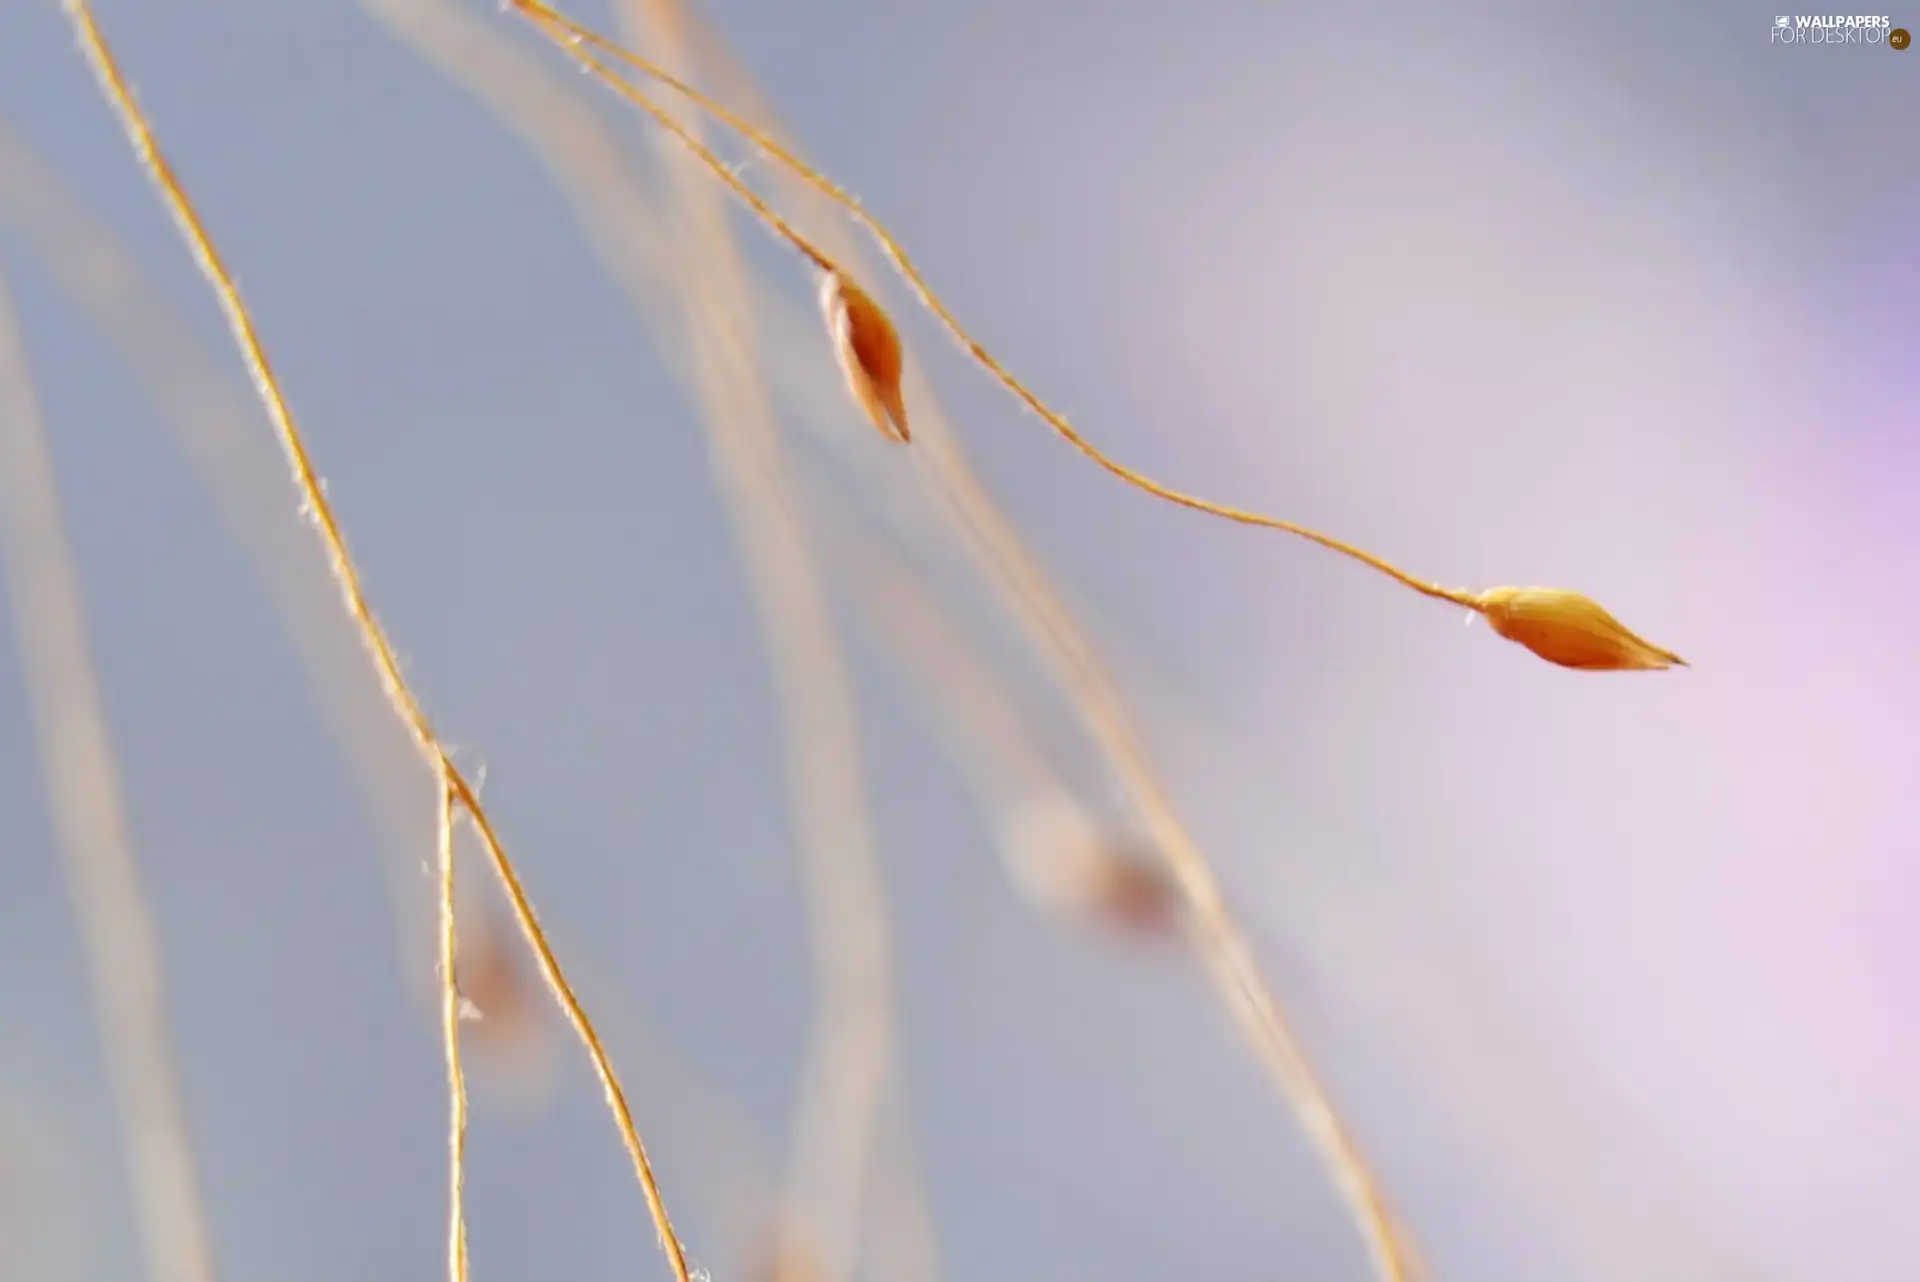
(1608, 973)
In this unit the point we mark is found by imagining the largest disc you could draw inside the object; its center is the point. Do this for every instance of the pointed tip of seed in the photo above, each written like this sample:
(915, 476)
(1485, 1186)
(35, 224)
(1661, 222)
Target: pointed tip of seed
(895, 407)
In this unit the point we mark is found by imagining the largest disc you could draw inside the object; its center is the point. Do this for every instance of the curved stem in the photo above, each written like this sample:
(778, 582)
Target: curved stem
(576, 39)
(405, 704)
(1220, 941)
(852, 1046)
(450, 1040)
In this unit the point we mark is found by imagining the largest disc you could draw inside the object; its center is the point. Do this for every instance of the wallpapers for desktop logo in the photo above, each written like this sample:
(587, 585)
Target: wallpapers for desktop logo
(1859, 30)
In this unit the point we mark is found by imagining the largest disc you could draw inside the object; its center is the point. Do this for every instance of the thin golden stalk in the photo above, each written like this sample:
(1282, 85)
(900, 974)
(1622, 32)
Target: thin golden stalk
(140, 135)
(563, 33)
(731, 1172)
(117, 930)
(211, 420)
(585, 157)
(1222, 944)
(852, 1047)
(576, 40)
(1057, 850)
(1057, 636)
(450, 1039)
(626, 233)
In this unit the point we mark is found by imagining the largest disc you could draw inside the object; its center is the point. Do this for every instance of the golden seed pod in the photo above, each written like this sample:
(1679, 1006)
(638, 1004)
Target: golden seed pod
(868, 349)
(1571, 630)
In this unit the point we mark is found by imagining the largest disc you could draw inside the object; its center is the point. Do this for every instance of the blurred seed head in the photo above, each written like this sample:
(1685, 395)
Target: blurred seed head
(868, 349)
(505, 1028)
(1078, 867)
(1571, 630)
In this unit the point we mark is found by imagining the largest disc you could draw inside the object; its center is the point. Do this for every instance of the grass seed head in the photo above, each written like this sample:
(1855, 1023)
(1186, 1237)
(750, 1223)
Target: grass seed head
(1073, 865)
(506, 1026)
(1571, 630)
(868, 349)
